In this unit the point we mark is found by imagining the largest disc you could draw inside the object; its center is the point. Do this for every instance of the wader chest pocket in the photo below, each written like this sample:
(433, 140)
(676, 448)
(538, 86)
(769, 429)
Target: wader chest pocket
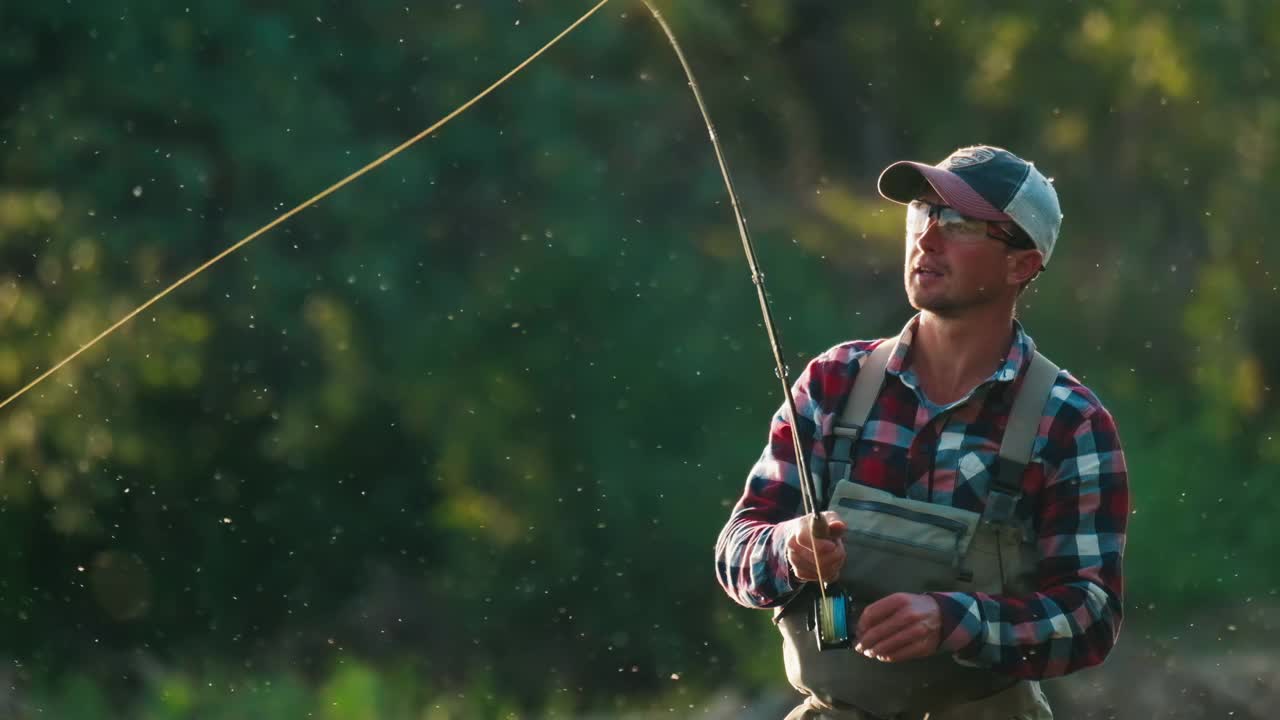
(896, 544)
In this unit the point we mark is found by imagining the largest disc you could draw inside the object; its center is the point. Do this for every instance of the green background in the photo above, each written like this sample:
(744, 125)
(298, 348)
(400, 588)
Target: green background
(457, 442)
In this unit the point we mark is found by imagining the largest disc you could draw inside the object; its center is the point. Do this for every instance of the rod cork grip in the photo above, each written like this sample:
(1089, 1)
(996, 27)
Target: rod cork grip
(818, 525)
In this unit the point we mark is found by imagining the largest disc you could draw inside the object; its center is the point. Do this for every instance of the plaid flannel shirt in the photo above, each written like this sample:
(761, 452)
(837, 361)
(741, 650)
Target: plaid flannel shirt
(1075, 495)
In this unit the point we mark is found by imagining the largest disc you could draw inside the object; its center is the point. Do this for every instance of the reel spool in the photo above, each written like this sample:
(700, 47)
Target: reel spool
(831, 626)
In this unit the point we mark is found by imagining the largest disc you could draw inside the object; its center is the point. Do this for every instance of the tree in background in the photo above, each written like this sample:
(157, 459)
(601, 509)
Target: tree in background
(482, 411)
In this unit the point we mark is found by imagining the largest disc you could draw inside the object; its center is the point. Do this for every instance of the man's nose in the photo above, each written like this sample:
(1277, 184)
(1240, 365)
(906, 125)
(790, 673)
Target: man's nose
(931, 239)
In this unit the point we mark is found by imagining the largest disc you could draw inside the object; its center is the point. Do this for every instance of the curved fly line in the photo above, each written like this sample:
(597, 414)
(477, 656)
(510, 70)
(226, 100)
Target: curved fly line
(299, 208)
(807, 485)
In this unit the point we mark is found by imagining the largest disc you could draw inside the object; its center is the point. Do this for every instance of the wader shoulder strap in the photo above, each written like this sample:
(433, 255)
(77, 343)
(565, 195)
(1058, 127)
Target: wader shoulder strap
(1019, 438)
(847, 430)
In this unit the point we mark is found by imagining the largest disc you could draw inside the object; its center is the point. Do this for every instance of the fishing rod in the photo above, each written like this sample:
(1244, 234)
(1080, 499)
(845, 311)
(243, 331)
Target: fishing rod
(831, 612)
(757, 277)
(808, 489)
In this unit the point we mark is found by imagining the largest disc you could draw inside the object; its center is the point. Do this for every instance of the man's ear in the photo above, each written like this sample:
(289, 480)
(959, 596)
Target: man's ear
(1024, 265)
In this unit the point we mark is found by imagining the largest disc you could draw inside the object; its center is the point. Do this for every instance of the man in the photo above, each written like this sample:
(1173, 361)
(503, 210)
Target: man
(980, 226)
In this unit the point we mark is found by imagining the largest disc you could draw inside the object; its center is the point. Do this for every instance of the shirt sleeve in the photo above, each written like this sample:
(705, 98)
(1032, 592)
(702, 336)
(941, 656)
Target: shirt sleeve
(1072, 621)
(750, 553)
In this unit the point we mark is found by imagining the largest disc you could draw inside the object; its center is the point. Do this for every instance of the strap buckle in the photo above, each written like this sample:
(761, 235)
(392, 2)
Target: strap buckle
(1000, 507)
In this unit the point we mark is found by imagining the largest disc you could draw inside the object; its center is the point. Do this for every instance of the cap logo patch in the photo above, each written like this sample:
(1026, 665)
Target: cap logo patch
(967, 157)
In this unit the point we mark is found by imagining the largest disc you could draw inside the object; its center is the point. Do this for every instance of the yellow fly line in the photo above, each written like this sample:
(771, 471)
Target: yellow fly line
(302, 206)
(817, 521)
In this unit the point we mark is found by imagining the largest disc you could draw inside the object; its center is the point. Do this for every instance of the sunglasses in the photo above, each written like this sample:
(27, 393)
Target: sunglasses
(955, 226)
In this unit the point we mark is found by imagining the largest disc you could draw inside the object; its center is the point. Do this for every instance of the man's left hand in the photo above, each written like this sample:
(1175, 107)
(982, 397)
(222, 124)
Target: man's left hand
(900, 627)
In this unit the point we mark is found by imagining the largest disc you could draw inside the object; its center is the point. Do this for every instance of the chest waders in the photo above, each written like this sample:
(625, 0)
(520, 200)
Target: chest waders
(901, 545)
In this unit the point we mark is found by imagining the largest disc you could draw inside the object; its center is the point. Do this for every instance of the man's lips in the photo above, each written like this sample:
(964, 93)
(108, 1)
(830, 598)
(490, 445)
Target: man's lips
(926, 270)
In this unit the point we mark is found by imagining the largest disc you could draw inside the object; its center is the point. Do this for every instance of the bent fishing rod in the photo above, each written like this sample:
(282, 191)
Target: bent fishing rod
(830, 613)
(808, 487)
(757, 277)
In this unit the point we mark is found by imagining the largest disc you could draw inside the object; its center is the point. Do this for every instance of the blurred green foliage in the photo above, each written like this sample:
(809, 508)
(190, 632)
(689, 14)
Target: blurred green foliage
(457, 442)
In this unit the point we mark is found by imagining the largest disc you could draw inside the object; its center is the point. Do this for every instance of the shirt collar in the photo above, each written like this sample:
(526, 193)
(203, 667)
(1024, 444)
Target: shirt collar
(1018, 355)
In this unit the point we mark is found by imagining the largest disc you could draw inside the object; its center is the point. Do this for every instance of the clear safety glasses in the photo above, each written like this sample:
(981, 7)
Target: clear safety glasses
(955, 226)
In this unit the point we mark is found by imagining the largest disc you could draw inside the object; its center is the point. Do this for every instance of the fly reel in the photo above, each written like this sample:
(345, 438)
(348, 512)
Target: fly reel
(833, 619)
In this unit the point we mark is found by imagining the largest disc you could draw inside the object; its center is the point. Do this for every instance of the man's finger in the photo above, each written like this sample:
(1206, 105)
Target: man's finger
(803, 563)
(833, 563)
(882, 609)
(882, 619)
(873, 639)
(831, 516)
(912, 641)
(824, 547)
(835, 526)
(804, 567)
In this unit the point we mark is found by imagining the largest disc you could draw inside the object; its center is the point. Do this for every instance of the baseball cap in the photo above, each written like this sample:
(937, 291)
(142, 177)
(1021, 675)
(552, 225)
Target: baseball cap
(986, 183)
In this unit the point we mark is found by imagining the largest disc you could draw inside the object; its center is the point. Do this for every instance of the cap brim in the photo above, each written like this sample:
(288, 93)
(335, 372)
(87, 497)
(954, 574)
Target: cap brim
(905, 180)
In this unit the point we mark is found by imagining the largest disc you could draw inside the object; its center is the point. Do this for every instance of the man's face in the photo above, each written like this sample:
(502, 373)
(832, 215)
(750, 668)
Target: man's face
(947, 273)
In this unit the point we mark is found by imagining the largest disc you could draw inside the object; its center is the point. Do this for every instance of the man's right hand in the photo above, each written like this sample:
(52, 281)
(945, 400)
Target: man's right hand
(830, 548)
